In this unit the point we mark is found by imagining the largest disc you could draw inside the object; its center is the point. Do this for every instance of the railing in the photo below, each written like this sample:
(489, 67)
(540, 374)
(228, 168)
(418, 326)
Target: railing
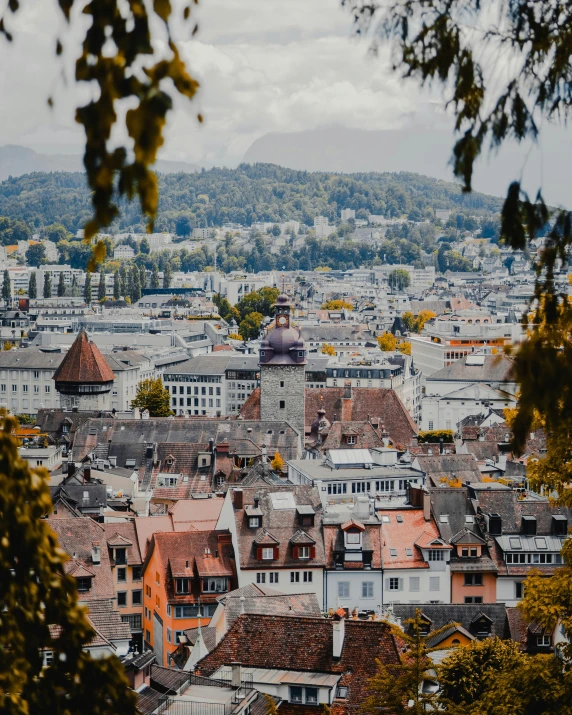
(134, 620)
(178, 706)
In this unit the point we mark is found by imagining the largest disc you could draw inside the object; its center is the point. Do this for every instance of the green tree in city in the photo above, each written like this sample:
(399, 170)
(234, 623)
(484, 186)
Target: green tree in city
(167, 276)
(144, 246)
(47, 292)
(6, 287)
(142, 277)
(61, 285)
(135, 284)
(249, 328)
(36, 254)
(101, 286)
(259, 301)
(387, 342)
(40, 609)
(155, 277)
(397, 689)
(123, 283)
(399, 279)
(409, 320)
(87, 288)
(75, 287)
(153, 396)
(116, 286)
(32, 286)
(275, 230)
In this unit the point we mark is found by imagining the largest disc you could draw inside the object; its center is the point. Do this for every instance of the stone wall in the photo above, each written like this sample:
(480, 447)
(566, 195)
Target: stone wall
(283, 384)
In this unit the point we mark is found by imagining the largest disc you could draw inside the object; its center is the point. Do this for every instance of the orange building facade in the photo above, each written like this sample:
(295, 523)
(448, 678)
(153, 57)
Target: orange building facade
(183, 575)
(473, 579)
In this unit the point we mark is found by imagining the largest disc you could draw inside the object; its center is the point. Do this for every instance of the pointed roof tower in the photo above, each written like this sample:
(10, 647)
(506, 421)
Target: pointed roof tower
(83, 365)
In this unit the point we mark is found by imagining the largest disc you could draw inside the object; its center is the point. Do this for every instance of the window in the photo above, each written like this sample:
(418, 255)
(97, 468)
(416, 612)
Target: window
(436, 555)
(169, 636)
(303, 552)
(83, 584)
(24, 388)
(307, 577)
(543, 641)
(136, 573)
(430, 425)
(48, 657)
(182, 585)
(260, 578)
(465, 552)
(414, 583)
(281, 383)
(36, 374)
(473, 599)
(47, 388)
(157, 601)
(367, 589)
(294, 577)
(3, 387)
(267, 554)
(157, 578)
(474, 553)
(518, 589)
(408, 552)
(282, 404)
(353, 537)
(122, 574)
(14, 388)
(148, 591)
(136, 598)
(274, 577)
(120, 557)
(122, 598)
(253, 522)
(342, 692)
(434, 583)
(393, 552)
(214, 585)
(343, 589)
(394, 584)
(473, 579)
(351, 439)
(303, 695)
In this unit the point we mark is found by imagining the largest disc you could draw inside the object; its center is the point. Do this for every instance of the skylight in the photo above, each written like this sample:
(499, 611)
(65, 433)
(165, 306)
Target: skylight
(283, 500)
(399, 519)
(514, 542)
(540, 542)
(444, 518)
(385, 519)
(393, 552)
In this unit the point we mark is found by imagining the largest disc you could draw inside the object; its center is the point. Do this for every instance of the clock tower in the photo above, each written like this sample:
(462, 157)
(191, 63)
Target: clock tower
(282, 360)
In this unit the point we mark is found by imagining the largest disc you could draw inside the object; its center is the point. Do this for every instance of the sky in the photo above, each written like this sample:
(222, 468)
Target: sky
(264, 66)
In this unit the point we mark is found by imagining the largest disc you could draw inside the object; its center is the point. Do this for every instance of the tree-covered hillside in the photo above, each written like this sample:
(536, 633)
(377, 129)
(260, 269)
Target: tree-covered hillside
(259, 192)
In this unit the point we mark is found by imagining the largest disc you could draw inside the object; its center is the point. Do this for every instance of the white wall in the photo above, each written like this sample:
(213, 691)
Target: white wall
(355, 599)
(427, 591)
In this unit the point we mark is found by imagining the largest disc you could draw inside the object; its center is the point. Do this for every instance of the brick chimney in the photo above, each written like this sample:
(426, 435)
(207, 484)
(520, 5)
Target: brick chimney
(426, 506)
(96, 552)
(238, 499)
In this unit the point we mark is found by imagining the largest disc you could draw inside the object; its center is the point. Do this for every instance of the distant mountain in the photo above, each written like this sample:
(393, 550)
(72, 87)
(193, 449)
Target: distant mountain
(424, 150)
(18, 160)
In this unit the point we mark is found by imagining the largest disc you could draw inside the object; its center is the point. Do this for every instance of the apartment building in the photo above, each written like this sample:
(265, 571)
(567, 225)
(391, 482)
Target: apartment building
(26, 380)
(322, 227)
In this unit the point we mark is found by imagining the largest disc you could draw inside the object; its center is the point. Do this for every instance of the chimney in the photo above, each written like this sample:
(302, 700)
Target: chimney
(256, 502)
(236, 676)
(441, 448)
(339, 626)
(264, 454)
(347, 391)
(87, 474)
(426, 506)
(95, 552)
(238, 499)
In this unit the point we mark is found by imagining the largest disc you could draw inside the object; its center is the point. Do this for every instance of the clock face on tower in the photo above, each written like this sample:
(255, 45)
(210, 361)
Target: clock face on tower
(282, 321)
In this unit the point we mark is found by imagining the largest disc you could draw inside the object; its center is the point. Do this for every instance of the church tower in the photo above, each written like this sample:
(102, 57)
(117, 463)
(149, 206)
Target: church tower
(282, 361)
(84, 379)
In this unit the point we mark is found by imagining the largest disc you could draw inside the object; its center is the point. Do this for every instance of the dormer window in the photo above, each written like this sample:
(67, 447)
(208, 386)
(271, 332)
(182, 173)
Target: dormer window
(267, 554)
(303, 552)
(182, 585)
(254, 522)
(83, 584)
(120, 556)
(351, 439)
(353, 538)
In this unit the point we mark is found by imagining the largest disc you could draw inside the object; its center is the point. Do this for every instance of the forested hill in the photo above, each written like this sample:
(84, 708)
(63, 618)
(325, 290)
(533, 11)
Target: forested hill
(257, 192)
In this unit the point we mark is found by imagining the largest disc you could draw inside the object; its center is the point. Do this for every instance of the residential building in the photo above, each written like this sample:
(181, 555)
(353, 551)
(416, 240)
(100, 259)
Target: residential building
(26, 382)
(183, 574)
(123, 251)
(347, 214)
(277, 538)
(322, 227)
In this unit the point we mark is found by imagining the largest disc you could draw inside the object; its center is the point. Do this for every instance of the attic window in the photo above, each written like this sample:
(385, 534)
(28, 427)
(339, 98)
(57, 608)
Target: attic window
(393, 552)
(129, 462)
(385, 519)
(540, 542)
(169, 462)
(399, 519)
(514, 542)
(83, 584)
(182, 585)
(469, 519)
(444, 518)
(269, 431)
(409, 552)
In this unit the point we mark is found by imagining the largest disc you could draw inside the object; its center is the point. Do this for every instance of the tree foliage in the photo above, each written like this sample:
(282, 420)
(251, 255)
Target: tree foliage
(277, 463)
(40, 609)
(337, 305)
(249, 328)
(32, 285)
(114, 57)
(387, 342)
(6, 287)
(47, 292)
(398, 689)
(36, 254)
(259, 301)
(399, 279)
(153, 396)
(328, 349)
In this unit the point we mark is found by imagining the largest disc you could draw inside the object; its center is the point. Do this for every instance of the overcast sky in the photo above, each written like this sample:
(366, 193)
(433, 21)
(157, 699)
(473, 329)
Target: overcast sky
(264, 66)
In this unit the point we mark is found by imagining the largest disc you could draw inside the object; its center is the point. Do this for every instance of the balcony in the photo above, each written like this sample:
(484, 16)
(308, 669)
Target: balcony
(134, 620)
(207, 696)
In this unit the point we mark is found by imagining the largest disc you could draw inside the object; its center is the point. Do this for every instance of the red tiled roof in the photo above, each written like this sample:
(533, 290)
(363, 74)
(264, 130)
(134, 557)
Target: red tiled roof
(83, 363)
(381, 405)
(401, 535)
(306, 644)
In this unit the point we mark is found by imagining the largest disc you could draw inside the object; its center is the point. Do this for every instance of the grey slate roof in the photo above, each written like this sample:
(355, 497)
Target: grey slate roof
(494, 369)
(465, 614)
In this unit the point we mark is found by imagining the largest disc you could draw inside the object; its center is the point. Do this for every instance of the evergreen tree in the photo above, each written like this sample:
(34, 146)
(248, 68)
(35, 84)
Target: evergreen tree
(116, 286)
(47, 285)
(123, 281)
(142, 277)
(33, 286)
(135, 293)
(87, 288)
(101, 286)
(74, 287)
(144, 246)
(6, 287)
(167, 276)
(61, 285)
(154, 277)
